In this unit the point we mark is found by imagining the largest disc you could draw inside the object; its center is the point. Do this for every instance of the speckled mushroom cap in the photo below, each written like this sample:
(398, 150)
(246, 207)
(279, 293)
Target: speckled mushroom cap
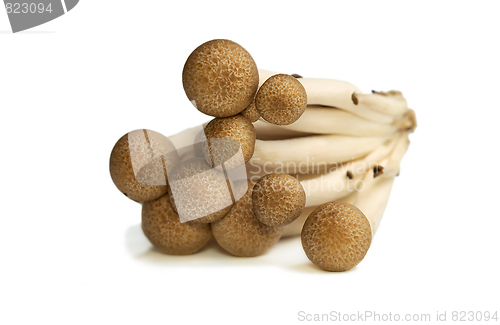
(278, 199)
(241, 233)
(336, 236)
(163, 228)
(144, 151)
(281, 99)
(237, 128)
(251, 112)
(220, 78)
(201, 191)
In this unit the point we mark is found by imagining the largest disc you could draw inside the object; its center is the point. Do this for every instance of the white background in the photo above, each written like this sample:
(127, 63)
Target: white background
(71, 248)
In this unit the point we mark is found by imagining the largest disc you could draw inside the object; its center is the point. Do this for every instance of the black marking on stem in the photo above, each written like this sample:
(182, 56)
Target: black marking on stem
(377, 171)
(354, 99)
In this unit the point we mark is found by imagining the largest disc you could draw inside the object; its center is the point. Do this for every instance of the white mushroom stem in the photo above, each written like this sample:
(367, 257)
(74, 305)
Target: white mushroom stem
(329, 187)
(391, 103)
(372, 200)
(313, 150)
(268, 131)
(187, 137)
(335, 93)
(391, 165)
(375, 157)
(306, 155)
(323, 120)
(343, 180)
(371, 197)
(295, 153)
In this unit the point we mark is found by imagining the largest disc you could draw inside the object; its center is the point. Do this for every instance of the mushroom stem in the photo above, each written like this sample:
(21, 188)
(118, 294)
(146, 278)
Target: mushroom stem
(373, 199)
(187, 137)
(298, 155)
(323, 120)
(343, 180)
(390, 103)
(268, 131)
(391, 165)
(265, 131)
(314, 150)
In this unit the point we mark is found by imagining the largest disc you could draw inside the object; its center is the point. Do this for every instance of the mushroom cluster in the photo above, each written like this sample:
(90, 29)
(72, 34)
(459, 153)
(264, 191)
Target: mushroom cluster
(283, 155)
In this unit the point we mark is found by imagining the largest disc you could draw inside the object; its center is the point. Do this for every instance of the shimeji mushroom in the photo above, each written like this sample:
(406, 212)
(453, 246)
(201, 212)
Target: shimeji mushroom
(338, 94)
(164, 229)
(241, 233)
(336, 236)
(281, 100)
(220, 78)
(278, 199)
(138, 164)
(377, 122)
(349, 240)
(319, 123)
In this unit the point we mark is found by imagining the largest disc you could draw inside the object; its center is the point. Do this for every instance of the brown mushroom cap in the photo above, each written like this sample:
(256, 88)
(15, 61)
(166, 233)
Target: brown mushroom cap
(148, 150)
(203, 191)
(336, 236)
(220, 77)
(237, 128)
(251, 113)
(163, 228)
(241, 233)
(281, 100)
(278, 199)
